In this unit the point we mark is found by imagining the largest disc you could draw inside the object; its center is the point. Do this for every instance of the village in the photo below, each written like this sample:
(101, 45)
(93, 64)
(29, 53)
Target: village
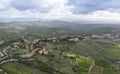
(36, 45)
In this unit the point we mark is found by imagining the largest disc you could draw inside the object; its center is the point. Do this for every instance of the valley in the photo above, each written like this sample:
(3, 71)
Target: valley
(36, 48)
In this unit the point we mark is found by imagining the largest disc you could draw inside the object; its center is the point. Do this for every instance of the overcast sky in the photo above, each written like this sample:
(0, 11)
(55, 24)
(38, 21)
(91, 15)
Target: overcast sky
(91, 10)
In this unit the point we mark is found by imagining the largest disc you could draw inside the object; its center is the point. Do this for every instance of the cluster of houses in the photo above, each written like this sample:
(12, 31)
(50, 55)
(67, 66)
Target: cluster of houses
(64, 38)
(43, 51)
(28, 55)
(35, 45)
(4, 54)
(103, 36)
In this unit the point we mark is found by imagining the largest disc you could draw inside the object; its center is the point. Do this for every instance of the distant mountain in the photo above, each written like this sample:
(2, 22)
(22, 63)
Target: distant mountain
(18, 19)
(67, 20)
(2, 24)
(78, 26)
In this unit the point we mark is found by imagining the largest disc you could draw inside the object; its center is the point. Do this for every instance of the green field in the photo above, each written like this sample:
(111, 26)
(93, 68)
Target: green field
(17, 68)
(110, 71)
(111, 50)
(111, 53)
(1, 71)
(63, 57)
(102, 63)
(20, 51)
(84, 64)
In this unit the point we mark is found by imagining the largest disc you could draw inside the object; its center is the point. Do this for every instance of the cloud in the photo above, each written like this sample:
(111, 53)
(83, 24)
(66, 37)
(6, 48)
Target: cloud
(97, 10)
(39, 5)
(110, 15)
(45, 9)
(87, 6)
(4, 4)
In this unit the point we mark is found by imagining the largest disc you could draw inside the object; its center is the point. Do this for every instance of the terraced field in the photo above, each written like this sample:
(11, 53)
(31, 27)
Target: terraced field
(17, 68)
(61, 56)
(21, 51)
(84, 65)
(111, 53)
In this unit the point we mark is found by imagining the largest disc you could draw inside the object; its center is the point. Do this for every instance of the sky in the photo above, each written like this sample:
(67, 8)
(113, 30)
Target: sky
(79, 10)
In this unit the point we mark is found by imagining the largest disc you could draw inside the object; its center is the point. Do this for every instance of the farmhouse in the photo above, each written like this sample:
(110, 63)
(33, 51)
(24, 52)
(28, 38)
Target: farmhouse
(94, 36)
(28, 55)
(43, 51)
(1, 54)
(74, 39)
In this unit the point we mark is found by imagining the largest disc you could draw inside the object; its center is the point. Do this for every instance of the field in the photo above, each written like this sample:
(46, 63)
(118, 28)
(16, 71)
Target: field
(20, 51)
(111, 50)
(110, 71)
(1, 71)
(64, 57)
(17, 68)
(111, 53)
(84, 65)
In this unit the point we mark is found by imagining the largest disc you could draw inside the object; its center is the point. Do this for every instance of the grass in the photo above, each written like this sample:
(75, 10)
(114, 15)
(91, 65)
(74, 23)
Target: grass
(42, 58)
(83, 66)
(16, 68)
(102, 63)
(112, 53)
(1, 71)
(41, 66)
(84, 48)
(21, 51)
(96, 70)
(111, 50)
(84, 62)
(109, 71)
(80, 48)
(108, 46)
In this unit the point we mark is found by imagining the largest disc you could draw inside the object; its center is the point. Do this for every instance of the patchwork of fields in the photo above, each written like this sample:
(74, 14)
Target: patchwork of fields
(87, 56)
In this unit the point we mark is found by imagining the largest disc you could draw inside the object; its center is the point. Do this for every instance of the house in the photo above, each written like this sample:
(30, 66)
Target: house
(118, 62)
(54, 39)
(80, 37)
(1, 41)
(1, 54)
(74, 39)
(94, 36)
(5, 51)
(16, 47)
(28, 55)
(63, 37)
(43, 51)
(107, 36)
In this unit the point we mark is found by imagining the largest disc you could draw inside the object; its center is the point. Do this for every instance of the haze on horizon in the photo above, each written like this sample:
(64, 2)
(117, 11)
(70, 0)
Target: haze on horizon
(76, 10)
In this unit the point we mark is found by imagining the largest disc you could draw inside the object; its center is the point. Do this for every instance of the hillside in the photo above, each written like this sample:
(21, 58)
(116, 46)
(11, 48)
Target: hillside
(56, 47)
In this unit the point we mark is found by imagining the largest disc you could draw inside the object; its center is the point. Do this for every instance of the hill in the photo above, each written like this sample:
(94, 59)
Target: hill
(58, 47)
